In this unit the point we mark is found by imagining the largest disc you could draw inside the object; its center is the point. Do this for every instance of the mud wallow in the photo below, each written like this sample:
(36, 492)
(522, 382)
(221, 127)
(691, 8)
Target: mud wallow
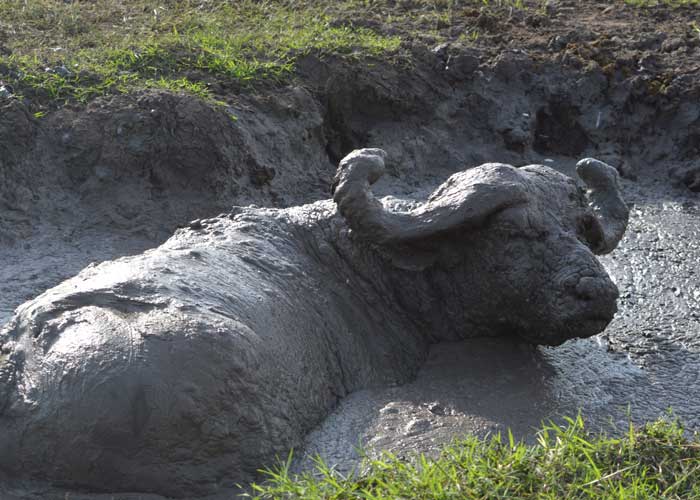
(181, 300)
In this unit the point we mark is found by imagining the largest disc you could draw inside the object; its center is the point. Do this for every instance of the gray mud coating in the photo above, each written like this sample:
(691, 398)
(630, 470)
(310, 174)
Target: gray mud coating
(182, 369)
(646, 362)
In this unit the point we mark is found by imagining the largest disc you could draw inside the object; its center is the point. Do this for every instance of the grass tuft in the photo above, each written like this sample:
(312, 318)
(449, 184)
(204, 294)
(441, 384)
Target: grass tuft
(653, 461)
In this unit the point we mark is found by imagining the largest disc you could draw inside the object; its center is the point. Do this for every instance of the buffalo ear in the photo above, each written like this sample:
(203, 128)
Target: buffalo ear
(606, 225)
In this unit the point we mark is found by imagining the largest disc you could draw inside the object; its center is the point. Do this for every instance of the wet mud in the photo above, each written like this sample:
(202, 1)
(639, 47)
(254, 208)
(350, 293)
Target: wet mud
(118, 177)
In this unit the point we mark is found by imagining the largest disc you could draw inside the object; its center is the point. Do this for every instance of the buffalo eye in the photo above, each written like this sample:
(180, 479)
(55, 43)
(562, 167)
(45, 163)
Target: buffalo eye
(589, 231)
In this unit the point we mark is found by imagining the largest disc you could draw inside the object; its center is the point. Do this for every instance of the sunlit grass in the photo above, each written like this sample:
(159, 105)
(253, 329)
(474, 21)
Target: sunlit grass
(652, 462)
(670, 3)
(58, 51)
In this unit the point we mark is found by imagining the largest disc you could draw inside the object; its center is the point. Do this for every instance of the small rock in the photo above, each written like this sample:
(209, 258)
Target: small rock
(6, 91)
(648, 62)
(389, 410)
(196, 224)
(671, 44)
(441, 50)
(60, 71)
(417, 426)
(436, 409)
(557, 43)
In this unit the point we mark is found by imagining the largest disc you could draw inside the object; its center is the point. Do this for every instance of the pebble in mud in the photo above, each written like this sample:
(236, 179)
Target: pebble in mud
(389, 410)
(6, 91)
(417, 426)
(436, 409)
(672, 44)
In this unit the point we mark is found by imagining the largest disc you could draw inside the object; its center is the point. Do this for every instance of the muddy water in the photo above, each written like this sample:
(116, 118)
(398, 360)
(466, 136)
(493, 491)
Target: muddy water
(647, 361)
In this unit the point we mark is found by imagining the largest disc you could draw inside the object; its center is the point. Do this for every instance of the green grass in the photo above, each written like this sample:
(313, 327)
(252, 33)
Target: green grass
(57, 51)
(668, 3)
(652, 462)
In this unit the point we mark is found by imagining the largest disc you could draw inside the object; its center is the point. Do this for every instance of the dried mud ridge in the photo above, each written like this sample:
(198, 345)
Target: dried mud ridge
(116, 178)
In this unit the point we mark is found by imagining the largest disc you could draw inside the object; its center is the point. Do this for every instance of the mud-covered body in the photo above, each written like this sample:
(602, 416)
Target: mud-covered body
(190, 366)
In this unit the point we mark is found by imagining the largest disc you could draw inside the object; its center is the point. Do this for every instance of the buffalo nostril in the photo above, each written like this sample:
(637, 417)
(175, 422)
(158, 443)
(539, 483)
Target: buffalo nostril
(586, 288)
(591, 288)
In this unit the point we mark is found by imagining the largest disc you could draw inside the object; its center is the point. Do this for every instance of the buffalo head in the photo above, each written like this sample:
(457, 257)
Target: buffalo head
(495, 250)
